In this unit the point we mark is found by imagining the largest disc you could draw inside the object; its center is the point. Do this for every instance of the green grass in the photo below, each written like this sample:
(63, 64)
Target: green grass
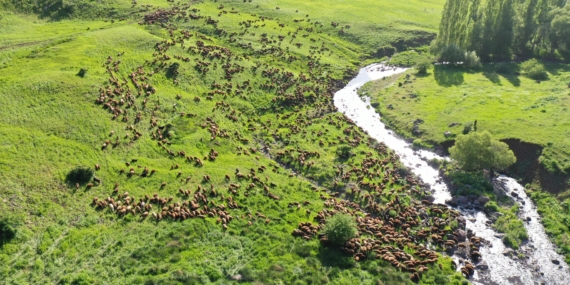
(50, 125)
(506, 105)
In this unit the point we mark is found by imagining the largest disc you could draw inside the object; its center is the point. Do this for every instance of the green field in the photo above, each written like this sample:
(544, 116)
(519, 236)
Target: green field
(200, 127)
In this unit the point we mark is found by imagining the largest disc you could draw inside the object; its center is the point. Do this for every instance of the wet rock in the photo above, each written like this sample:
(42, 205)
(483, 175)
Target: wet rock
(482, 266)
(528, 219)
(429, 198)
(514, 194)
(461, 235)
(439, 152)
(462, 200)
(452, 202)
(483, 200)
(508, 251)
(555, 261)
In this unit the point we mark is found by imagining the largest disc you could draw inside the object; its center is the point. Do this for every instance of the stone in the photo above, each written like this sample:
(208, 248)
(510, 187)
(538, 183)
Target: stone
(452, 202)
(482, 266)
(429, 198)
(508, 251)
(439, 152)
(448, 134)
(453, 124)
(555, 261)
(514, 194)
(483, 200)
(462, 200)
(528, 219)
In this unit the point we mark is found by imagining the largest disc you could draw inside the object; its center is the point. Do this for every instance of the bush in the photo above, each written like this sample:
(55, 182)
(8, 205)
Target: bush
(80, 174)
(534, 69)
(344, 152)
(471, 60)
(8, 228)
(502, 68)
(452, 54)
(423, 65)
(340, 228)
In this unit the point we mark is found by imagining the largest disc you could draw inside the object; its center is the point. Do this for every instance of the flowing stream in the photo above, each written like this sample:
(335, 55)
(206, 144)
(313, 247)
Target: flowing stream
(536, 262)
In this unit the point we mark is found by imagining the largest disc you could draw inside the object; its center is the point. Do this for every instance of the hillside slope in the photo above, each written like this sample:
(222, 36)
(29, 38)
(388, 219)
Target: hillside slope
(211, 133)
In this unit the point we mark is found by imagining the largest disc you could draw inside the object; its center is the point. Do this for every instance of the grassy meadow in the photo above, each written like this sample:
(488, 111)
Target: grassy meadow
(266, 158)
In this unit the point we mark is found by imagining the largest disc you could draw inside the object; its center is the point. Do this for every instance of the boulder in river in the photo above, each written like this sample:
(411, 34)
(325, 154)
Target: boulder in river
(483, 200)
(508, 251)
(555, 261)
(482, 266)
(462, 200)
(452, 202)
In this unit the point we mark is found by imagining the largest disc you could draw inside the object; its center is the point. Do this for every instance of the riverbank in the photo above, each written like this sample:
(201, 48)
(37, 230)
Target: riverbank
(360, 111)
(535, 165)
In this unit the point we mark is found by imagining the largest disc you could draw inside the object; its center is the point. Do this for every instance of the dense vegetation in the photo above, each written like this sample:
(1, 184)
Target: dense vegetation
(498, 30)
(169, 143)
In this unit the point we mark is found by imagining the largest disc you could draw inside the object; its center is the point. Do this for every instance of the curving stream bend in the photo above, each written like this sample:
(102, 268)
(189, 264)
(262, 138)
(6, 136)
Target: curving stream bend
(538, 262)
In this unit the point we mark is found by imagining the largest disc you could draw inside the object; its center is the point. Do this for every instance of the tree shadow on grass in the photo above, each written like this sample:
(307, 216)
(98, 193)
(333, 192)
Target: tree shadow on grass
(492, 76)
(448, 75)
(331, 256)
(513, 79)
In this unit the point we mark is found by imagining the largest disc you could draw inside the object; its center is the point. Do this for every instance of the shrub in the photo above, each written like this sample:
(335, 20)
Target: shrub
(340, 228)
(80, 174)
(534, 69)
(471, 60)
(8, 228)
(344, 152)
(452, 54)
(502, 68)
(423, 65)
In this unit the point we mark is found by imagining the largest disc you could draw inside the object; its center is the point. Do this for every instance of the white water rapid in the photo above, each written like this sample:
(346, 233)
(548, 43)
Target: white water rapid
(538, 262)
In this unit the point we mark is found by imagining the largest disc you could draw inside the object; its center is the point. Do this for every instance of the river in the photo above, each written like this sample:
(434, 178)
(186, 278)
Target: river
(536, 262)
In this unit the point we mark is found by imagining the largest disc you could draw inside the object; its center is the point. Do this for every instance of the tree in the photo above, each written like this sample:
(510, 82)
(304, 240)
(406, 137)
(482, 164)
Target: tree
(340, 228)
(478, 150)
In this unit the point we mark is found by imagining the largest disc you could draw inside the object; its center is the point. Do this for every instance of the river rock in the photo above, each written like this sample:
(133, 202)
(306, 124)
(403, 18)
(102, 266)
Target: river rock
(508, 251)
(555, 261)
(462, 200)
(429, 198)
(514, 194)
(439, 152)
(483, 200)
(452, 202)
(482, 266)
(461, 235)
